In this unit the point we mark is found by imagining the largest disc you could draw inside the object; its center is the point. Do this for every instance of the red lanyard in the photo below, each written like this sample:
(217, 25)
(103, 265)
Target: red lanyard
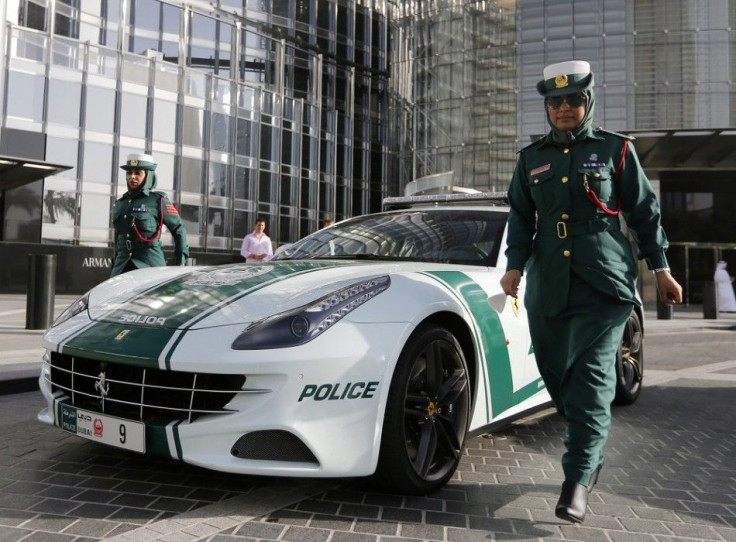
(593, 197)
(160, 224)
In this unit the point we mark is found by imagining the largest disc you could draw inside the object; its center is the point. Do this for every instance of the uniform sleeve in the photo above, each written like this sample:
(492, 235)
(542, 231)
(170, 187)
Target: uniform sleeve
(522, 219)
(178, 231)
(642, 213)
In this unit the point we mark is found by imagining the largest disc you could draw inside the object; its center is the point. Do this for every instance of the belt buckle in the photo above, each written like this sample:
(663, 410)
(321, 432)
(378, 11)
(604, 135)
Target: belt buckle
(561, 230)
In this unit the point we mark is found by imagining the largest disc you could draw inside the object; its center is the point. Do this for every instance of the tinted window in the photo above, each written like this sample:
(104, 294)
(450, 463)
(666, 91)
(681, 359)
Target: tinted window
(455, 236)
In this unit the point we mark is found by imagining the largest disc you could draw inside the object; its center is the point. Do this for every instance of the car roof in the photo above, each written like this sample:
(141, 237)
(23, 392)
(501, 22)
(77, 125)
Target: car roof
(479, 199)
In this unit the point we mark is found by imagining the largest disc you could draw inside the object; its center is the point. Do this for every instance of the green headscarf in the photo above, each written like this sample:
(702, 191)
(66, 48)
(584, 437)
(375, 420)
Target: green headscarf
(581, 130)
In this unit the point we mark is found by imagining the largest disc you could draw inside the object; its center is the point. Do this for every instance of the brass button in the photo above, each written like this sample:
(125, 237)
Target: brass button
(596, 174)
(565, 216)
(564, 179)
(566, 253)
(566, 151)
(127, 235)
(536, 181)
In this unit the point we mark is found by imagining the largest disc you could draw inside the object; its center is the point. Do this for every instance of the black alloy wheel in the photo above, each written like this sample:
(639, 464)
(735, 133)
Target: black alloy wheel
(630, 362)
(427, 414)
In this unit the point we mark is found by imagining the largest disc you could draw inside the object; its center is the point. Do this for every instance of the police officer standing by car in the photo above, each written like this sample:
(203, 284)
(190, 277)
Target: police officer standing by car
(138, 217)
(565, 197)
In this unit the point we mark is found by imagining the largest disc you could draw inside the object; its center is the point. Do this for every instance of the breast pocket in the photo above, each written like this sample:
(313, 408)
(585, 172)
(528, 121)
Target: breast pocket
(542, 189)
(600, 181)
(146, 222)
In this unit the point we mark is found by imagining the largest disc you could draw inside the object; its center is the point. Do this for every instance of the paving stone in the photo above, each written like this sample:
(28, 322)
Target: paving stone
(289, 517)
(300, 534)
(376, 527)
(423, 532)
(446, 519)
(402, 515)
(341, 536)
(358, 510)
(55, 506)
(331, 522)
(92, 528)
(258, 529)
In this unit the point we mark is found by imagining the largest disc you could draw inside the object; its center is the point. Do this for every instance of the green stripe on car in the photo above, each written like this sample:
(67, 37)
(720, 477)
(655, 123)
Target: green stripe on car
(492, 339)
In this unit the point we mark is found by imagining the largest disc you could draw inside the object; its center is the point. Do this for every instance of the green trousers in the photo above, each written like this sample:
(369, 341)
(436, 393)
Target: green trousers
(576, 356)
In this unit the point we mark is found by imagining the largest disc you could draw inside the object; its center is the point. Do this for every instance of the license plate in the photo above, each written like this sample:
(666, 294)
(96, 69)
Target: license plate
(105, 429)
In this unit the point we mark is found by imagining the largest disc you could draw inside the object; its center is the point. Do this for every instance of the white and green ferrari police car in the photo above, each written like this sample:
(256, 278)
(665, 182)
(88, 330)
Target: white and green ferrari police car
(374, 347)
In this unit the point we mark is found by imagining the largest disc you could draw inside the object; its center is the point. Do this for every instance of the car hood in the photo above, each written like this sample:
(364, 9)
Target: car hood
(202, 297)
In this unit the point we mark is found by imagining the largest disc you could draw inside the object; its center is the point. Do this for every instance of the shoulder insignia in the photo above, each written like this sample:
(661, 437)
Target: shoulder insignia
(617, 134)
(534, 144)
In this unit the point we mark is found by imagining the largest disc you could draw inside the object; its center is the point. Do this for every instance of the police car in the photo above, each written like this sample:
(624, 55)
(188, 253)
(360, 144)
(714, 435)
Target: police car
(374, 347)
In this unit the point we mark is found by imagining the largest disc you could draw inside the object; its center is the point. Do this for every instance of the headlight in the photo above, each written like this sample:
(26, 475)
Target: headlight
(72, 310)
(303, 324)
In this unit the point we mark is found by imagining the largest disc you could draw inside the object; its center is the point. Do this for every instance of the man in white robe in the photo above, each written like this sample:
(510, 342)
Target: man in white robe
(724, 288)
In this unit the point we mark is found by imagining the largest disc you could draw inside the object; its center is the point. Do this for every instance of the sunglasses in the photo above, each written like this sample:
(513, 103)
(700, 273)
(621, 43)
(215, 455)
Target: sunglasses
(573, 100)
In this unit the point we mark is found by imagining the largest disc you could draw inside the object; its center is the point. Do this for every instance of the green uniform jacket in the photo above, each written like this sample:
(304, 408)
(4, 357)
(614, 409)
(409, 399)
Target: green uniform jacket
(136, 219)
(554, 229)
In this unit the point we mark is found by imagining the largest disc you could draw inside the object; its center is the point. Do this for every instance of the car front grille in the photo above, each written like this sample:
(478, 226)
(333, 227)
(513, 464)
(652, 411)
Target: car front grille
(146, 395)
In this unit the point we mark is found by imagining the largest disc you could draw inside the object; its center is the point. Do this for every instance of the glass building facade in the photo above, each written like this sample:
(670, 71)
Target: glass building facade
(300, 110)
(454, 80)
(252, 108)
(665, 73)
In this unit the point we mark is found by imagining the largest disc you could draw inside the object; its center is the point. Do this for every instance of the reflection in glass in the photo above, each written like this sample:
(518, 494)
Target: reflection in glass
(23, 213)
(164, 121)
(191, 174)
(133, 115)
(218, 223)
(100, 105)
(443, 236)
(59, 207)
(190, 217)
(97, 163)
(219, 180)
(60, 150)
(221, 128)
(94, 211)
(192, 126)
(64, 102)
(25, 96)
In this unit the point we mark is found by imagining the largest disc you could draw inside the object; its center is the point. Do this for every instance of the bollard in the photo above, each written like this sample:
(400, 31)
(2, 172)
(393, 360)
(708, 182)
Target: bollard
(664, 310)
(41, 290)
(710, 301)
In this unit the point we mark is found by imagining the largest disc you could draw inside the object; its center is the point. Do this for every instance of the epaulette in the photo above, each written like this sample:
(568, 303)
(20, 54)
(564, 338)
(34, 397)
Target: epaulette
(617, 134)
(533, 144)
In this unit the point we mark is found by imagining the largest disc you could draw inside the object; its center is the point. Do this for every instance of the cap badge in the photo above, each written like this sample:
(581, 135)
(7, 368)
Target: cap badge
(133, 162)
(560, 81)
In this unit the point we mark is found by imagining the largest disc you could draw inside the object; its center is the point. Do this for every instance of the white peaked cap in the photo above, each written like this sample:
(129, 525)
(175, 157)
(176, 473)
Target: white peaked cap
(566, 68)
(136, 156)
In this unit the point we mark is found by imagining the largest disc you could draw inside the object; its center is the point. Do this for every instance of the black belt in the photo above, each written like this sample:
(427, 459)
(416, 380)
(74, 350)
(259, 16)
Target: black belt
(563, 229)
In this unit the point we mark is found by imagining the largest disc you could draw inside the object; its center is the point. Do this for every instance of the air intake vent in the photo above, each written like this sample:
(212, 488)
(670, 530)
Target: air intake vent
(273, 445)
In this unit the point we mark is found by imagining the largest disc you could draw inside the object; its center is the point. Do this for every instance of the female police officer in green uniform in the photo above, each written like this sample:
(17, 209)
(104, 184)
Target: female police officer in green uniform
(565, 197)
(138, 217)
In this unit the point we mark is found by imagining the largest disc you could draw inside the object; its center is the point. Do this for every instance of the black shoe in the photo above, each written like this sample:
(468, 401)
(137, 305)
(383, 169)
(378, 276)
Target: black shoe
(594, 477)
(573, 502)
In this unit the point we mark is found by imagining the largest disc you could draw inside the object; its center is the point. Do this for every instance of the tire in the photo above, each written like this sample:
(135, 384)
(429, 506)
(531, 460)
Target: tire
(426, 418)
(630, 362)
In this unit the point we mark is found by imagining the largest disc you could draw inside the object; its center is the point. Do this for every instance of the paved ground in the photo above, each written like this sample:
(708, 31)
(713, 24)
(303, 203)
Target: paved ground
(670, 474)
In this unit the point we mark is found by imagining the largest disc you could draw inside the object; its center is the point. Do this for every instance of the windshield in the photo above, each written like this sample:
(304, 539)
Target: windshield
(456, 236)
